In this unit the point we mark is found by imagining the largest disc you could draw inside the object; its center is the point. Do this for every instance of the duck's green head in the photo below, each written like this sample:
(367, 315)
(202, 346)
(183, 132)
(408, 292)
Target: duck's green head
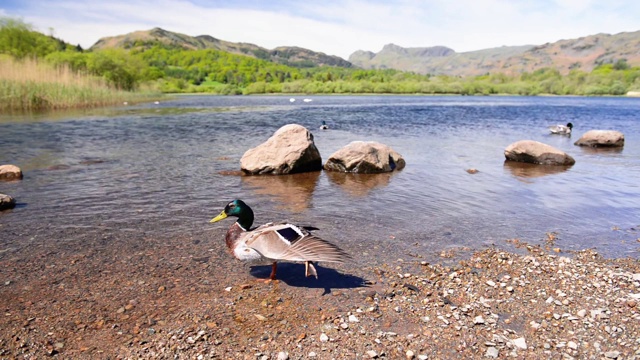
(570, 125)
(238, 209)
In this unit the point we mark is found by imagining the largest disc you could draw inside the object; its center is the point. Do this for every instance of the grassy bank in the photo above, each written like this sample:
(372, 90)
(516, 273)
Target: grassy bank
(30, 85)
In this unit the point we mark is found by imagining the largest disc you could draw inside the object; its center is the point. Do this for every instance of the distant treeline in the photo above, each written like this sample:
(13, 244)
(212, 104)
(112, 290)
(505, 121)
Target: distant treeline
(176, 70)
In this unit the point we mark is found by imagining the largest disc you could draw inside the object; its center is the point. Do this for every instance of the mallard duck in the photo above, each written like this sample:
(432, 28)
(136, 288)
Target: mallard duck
(561, 129)
(324, 125)
(276, 241)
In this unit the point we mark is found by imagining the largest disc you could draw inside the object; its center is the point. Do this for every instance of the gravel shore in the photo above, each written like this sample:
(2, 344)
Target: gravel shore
(185, 298)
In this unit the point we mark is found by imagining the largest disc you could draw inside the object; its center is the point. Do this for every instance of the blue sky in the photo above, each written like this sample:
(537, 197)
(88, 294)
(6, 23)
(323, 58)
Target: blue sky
(335, 27)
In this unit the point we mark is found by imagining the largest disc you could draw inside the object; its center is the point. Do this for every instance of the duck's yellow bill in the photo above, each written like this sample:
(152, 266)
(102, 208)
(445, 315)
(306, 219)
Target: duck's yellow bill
(219, 217)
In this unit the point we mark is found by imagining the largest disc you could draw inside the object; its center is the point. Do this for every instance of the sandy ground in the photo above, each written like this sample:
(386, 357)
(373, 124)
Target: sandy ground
(120, 298)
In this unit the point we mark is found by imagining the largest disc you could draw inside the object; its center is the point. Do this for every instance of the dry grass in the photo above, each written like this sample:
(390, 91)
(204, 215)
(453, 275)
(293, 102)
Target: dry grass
(30, 85)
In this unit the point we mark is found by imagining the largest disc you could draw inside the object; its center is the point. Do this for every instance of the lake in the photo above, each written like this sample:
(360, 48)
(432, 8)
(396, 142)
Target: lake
(162, 170)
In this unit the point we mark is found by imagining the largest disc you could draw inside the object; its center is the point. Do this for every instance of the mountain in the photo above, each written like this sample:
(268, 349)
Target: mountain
(293, 56)
(583, 53)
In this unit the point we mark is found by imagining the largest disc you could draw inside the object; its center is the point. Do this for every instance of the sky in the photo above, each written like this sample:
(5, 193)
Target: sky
(335, 27)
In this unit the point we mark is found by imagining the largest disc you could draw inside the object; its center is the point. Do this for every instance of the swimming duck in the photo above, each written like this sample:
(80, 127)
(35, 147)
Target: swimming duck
(276, 241)
(561, 129)
(324, 125)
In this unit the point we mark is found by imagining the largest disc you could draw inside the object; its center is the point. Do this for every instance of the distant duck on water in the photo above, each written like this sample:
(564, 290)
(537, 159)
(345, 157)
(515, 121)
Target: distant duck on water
(324, 125)
(561, 129)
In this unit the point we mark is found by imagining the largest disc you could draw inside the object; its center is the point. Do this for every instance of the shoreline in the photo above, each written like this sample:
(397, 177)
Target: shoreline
(185, 297)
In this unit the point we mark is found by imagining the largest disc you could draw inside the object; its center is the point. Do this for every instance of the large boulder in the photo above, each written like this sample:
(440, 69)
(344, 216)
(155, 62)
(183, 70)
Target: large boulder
(10, 172)
(365, 157)
(290, 150)
(6, 202)
(601, 138)
(534, 152)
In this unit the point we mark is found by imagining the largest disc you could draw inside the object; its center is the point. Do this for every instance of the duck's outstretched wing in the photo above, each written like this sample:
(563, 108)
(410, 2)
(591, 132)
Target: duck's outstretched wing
(289, 242)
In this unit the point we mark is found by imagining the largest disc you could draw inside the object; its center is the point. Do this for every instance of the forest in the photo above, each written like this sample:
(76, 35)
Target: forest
(153, 67)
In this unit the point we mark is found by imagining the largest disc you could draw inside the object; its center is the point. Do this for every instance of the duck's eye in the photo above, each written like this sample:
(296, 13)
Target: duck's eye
(232, 205)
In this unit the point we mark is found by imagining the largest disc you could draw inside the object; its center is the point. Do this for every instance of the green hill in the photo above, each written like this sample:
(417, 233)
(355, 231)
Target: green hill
(291, 56)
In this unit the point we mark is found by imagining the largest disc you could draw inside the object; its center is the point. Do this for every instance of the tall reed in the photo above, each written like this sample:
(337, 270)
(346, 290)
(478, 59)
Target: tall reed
(31, 85)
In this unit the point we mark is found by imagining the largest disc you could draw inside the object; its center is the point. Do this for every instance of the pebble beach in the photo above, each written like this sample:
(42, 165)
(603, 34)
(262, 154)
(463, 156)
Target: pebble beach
(187, 299)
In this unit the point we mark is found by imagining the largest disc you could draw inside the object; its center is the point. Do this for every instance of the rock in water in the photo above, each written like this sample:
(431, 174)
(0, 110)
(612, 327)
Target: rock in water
(290, 150)
(534, 152)
(10, 172)
(7, 202)
(367, 157)
(601, 138)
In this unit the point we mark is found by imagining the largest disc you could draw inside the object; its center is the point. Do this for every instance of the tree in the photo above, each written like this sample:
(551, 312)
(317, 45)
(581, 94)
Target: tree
(19, 40)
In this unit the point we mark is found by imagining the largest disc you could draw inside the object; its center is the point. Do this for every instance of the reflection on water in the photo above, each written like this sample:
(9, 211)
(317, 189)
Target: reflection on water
(358, 185)
(526, 170)
(293, 192)
(602, 150)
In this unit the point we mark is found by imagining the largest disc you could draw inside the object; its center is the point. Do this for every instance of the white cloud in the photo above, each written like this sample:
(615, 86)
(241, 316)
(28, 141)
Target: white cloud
(340, 27)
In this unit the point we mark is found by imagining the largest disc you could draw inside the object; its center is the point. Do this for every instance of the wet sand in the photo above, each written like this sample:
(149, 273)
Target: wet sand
(113, 296)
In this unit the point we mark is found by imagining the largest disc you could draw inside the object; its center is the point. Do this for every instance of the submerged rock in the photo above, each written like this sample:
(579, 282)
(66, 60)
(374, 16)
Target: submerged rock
(601, 138)
(365, 157)
(534, 152)
(290, 150)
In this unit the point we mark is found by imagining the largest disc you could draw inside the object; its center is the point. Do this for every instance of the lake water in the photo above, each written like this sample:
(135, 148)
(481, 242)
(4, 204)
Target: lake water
(158, 170)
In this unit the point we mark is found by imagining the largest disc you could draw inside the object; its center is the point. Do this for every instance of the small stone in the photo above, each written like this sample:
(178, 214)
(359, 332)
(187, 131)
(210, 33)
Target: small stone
(612, 354)
(582, 313)
(478, 320)
(260, 317)
(491, 283)
(409, 355)
(572, 345)
(324, 337)
(372, 354)
(491, 352)
(312, 354)
(353, 319)
(520, 343)
(283, 356)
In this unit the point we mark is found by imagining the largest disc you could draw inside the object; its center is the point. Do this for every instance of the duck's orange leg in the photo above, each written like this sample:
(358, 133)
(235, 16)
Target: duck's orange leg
(274, 267)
